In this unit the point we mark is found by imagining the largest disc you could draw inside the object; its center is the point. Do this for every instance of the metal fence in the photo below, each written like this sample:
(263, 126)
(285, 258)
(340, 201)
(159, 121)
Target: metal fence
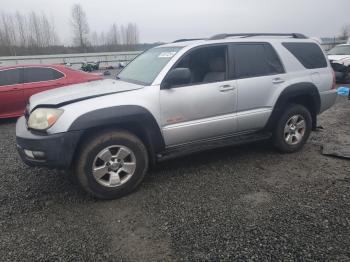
(105, 59)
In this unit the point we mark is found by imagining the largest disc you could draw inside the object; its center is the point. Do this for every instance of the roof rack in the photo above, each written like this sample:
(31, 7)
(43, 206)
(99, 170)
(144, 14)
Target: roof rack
(244, 35)
(189, 39)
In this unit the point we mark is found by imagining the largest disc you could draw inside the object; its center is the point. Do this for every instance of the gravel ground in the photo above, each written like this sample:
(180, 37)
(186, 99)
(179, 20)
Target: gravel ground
(238, 203)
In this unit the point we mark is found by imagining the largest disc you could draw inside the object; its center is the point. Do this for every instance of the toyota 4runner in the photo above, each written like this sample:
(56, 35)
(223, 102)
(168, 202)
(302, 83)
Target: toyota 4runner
(176, 99)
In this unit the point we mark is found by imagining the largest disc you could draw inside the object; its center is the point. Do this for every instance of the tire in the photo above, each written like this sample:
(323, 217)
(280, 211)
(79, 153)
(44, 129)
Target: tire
(111, 164)
(298, 133)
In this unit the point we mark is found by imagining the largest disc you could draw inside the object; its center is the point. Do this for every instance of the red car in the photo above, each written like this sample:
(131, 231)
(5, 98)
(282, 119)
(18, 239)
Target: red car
(18, 83)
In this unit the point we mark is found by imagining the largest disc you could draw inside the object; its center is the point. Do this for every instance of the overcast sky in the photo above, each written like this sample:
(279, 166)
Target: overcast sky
(166, 20)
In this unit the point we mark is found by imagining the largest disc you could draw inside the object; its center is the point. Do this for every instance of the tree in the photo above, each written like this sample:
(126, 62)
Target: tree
(345, 32)
(21, 29)
(114, 36)
(80, 26)
(129, 35)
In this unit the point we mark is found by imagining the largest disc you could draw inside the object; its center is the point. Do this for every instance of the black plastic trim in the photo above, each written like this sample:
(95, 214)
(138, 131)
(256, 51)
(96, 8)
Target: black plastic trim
(124, 116)
(292, 92)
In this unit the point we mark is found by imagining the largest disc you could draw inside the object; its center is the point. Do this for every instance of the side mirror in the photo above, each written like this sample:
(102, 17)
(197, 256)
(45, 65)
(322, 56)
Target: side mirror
(177, 76)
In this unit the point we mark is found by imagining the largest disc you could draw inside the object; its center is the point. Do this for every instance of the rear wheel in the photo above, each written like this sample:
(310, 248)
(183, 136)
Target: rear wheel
(292, 129)
(111, 164)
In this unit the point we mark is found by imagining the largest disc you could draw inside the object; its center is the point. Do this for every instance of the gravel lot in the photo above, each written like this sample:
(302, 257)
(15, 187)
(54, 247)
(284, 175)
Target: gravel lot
(238, 203)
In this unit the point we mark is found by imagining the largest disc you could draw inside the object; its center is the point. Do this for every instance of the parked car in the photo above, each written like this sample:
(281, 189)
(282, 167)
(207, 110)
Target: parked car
(177, 99)
(339, 57)
(18, 83)
(89, 67)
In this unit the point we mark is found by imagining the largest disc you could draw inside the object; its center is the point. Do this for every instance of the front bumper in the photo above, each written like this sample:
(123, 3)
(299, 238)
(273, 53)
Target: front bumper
(340, 71)
(56, 150)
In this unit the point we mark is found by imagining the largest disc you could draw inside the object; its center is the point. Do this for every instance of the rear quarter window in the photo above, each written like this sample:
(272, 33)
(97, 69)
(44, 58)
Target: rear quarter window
(38, 74)
(309, 55)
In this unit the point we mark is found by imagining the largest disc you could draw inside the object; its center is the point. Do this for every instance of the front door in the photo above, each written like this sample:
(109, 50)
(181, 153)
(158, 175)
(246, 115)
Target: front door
(205, 108)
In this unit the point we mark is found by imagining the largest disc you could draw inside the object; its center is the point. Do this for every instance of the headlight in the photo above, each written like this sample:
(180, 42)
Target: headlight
(44, 118)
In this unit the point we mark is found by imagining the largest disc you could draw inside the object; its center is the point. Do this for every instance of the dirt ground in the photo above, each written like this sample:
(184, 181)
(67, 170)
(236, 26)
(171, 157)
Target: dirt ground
(236, 203)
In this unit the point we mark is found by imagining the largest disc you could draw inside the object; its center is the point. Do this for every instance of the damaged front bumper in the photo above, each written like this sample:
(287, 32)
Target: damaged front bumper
(341, 71)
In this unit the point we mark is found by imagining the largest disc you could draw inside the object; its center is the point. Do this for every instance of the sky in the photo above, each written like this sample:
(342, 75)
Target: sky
(165, 20)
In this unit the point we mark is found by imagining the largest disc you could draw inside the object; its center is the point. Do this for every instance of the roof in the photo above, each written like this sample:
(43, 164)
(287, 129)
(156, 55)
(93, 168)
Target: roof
(32, 65)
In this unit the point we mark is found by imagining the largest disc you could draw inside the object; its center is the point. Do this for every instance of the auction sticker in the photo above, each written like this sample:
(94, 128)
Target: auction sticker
(166, 54)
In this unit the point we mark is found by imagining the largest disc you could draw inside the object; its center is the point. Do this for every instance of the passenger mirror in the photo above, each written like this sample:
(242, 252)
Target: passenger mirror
(176, 77)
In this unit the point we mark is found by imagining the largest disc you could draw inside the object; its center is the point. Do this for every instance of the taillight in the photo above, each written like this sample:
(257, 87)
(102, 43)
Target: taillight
(334, 85)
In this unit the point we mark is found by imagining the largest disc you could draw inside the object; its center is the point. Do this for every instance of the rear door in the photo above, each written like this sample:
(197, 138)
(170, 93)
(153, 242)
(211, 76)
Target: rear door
(259, 72)
(11, 93)
(38, 79)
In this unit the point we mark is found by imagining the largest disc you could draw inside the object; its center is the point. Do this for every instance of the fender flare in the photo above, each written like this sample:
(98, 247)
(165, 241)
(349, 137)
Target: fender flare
(123, 115)
(290, 94)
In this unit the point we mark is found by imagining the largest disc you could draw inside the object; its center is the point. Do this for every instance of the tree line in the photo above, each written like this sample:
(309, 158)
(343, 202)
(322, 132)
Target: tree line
(345, 32)
(34, 33)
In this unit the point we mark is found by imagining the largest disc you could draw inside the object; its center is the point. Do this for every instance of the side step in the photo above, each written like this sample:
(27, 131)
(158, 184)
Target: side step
(203, 145)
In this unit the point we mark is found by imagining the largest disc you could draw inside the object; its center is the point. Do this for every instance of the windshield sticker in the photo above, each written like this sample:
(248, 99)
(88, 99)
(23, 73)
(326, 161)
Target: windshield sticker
(166, 54)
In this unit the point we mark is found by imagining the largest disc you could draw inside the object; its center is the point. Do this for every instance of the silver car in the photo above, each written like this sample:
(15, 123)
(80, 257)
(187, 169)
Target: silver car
(176, 99)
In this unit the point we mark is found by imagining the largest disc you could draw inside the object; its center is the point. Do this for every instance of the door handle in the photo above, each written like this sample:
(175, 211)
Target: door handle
(278, 81)
(226, 88)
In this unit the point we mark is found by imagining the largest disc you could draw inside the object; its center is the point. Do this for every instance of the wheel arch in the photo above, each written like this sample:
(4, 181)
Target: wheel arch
(305, 94)
(134, 119)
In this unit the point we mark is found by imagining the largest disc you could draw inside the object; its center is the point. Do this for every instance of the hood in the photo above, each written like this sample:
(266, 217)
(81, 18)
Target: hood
(338, 57)
(74, 93)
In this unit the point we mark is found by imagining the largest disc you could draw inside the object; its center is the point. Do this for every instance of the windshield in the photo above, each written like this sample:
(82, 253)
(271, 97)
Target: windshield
(340, 50)
(145, 68)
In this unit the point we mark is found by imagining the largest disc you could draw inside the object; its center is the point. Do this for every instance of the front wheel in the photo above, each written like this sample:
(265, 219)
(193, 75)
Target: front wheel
(292, 129)
(111, 164)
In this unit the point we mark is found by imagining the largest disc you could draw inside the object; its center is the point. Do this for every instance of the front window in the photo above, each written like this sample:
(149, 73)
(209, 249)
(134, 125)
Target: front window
(146, 67)
(340, 50)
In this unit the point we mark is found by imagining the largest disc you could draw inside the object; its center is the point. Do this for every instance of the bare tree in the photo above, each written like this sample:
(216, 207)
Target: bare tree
(33, 33)
(36, 33)
(80, 26)
(48, 32)
(103, 39)
(114, 36)
(345, 32)
(131, 35)
(94, 39)
(21, 29)
(8, 33)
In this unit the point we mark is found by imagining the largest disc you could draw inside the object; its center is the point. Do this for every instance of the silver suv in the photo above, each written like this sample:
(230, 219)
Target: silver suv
(177, 99)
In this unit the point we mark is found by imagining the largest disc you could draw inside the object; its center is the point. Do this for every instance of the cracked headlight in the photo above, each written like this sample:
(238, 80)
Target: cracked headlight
(44, 118)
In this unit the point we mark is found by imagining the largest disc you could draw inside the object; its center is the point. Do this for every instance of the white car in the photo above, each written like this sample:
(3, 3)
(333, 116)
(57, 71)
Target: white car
(339, 57)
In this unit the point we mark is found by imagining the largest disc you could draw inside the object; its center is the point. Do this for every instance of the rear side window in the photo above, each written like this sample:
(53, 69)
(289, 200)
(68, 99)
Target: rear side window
(38, 74)
(9, 77)
(309, 55)
(253, 60)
